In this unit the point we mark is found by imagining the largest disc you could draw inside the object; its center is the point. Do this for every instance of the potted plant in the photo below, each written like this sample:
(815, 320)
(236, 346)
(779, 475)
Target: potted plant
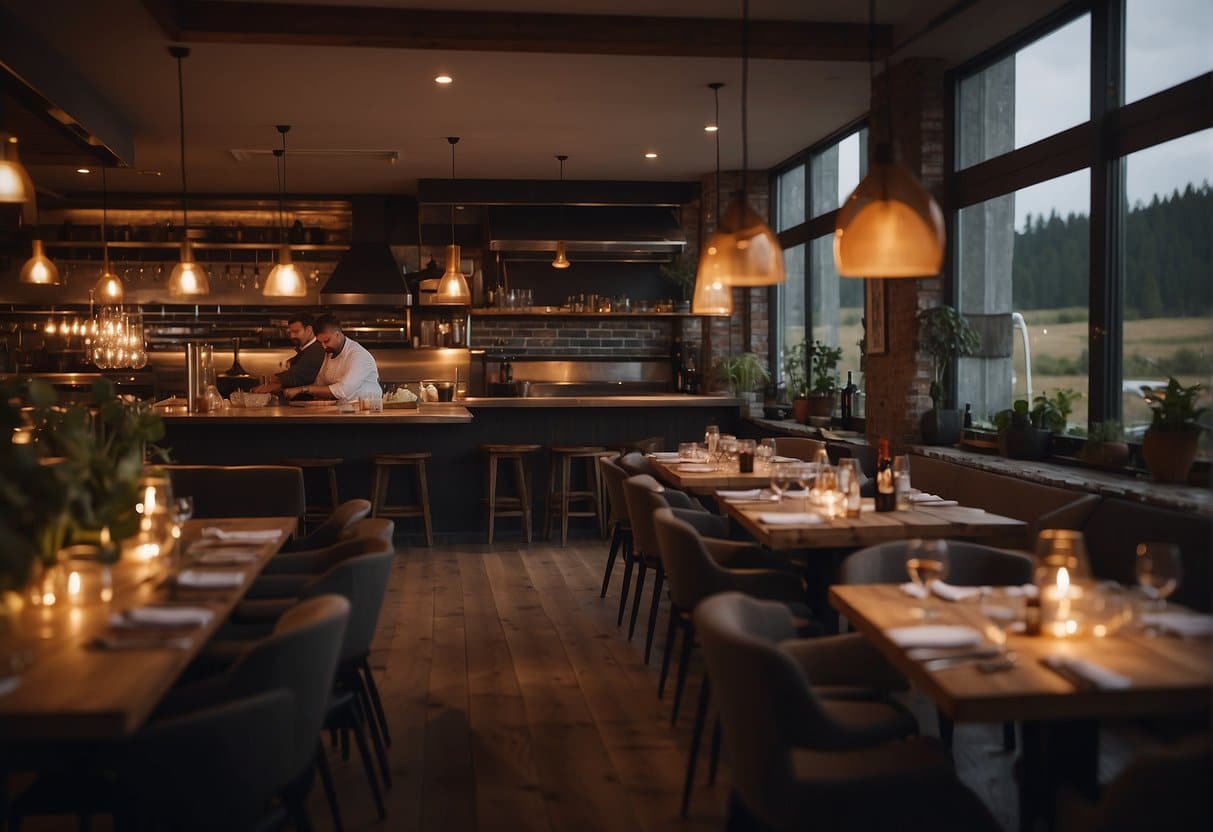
(681, 272)
(822, 394)
(1170, 443)
(745, 375)
(1026, 432)
(945, 335)
(1105, 446)
(796, 372)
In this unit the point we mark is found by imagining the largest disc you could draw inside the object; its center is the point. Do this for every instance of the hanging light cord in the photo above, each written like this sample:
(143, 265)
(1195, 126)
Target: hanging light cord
(105, 250)
(716, 92)
(282, 187)
(745, 95)
(185, 216)
(453, 140)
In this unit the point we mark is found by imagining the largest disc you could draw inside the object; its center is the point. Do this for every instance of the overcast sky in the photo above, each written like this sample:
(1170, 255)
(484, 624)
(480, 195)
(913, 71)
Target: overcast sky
(1168, 41)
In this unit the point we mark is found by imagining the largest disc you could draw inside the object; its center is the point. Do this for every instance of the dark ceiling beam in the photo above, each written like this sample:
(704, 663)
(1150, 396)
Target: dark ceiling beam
(210, 21)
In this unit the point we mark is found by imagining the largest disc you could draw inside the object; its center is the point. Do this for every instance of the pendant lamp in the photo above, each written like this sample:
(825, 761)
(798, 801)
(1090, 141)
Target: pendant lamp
(109, 290)
(453, 286)
(889, 226)
(712, 295)
(284, 280)
(15, 185)
(561, 260)
(187, 278)
(748, 250)
(39, 269)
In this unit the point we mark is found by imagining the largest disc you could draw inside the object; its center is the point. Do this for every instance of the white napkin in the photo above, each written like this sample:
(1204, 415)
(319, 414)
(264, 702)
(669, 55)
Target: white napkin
(664, 455)
(156, 616)
(210, 578)
(1185, 625)
(695, 468)
(791, 518)
(914, 590)
(786, 459)
(1096, 675)
(796, 495)
(749, 494)
(934, 635)
(225, 554)
(242, 535)
(924, 497)
(937, 503)
(948, 592)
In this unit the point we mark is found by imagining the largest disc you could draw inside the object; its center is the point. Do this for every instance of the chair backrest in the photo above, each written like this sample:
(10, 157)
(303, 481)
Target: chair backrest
(614, 476)
(799, 447)
(647, 445)
(644, 495)
(214, 768)
(362, 581)
(300, 655)
(380, 527)
(338, 523)
(636, 463)
(691, 571)
(240, 490)
(969, 564)
(319, 561)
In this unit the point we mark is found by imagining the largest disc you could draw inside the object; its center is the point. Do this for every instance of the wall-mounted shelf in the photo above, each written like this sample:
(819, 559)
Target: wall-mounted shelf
(556, 312)
(198, 246)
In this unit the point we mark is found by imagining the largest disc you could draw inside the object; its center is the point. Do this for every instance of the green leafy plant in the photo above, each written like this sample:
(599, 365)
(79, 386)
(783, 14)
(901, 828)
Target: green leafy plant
(744, 373)
(1102, 433)
(945, 335)
(1174, 406)
(796, 370)
(825, 368)
(1045, 413)
(681, 272)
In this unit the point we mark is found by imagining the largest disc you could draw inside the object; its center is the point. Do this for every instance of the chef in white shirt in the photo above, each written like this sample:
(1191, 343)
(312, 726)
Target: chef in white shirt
(348, 371)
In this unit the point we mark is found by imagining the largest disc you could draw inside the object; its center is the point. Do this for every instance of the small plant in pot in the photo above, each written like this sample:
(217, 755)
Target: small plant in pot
(823, 392)
(1171, 442)
(681, 272)
(745, 375)
(1105, 446)
(796, 372)
(1026, 432)
(945, 335)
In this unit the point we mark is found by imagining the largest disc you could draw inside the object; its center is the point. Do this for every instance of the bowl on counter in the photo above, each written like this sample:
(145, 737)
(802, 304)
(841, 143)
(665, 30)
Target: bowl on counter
(241, 398)
(443, 389)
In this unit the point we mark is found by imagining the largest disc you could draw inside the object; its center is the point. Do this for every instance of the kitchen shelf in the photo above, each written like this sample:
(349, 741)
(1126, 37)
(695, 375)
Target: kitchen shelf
(553, 312)
(197, 245)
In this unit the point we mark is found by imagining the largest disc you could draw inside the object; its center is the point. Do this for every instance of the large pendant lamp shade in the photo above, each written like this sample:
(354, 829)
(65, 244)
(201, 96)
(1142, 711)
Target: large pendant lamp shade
(561, 260)
(187, 279)
(284, 280)
(453, 286)
(39, 269)
(109, 290)
(15, 185)
(712, 295)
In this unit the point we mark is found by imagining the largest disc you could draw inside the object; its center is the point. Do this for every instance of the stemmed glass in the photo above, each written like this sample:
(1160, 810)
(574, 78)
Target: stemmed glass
(1004, 611)
(783, 476)
(182, 510)
(764, 454)
(926, 563)
(806, 477)
(1159, 571)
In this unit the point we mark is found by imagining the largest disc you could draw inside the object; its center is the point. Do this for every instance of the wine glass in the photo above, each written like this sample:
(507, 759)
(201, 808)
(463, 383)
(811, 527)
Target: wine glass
(764, 454)
(926, 563)
(1004, 610)
(1159, 571)
(805, 478)
(782, 477)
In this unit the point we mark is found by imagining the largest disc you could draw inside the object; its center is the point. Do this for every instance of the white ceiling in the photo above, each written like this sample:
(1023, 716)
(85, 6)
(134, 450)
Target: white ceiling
(514, 111)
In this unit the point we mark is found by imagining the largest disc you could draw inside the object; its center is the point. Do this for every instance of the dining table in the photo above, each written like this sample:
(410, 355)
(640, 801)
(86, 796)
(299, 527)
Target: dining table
(89, 675)
(1058, 689)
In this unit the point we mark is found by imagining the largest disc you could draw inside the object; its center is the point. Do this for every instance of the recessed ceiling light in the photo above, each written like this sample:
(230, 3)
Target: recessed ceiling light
(83, 170)
(650, 155)
(443, 79)
(710, 128)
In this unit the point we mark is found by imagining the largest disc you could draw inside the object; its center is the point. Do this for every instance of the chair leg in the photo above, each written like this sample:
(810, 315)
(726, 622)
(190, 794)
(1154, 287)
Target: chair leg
(368, 679)
(333, 488)
(423, 488)
(684, 665)
(636, 599)
(616, 539)
(671, 639)
(367, 763)
(701, 714)
(566, 471)
(492, 493)
(594, 480)
(654, 607)
(524, 497)
(714, 759)
(326, 780)
(1008, 736)
(377, 491)
(366, 716)
(548, 503)
(946, 728)
(628, 564)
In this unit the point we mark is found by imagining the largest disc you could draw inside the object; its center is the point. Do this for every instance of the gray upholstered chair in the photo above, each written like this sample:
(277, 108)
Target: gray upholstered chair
(380, 527)
(969, 564)
(618, 525)
(336, 525)
(285, 575)
(799, 761)
(240, 490)
(636, 463)
(798, 447)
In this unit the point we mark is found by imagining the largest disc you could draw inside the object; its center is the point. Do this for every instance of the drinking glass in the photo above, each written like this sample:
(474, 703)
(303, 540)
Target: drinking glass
(783, 475)
(688, 451)
(1159, 571)
(184, 509)
(926, 563)
(1005, 611)
(806, 476)
(764, 454)
(745, 456)
(901, 482)
(728, 452)
(711, 438)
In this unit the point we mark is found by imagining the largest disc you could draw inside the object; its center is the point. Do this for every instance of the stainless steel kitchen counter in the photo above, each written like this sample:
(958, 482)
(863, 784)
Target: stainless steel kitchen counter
(547, 402)
(426, 414)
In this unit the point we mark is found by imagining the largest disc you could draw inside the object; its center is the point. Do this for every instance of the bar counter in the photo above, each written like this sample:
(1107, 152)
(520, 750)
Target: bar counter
(426, 414)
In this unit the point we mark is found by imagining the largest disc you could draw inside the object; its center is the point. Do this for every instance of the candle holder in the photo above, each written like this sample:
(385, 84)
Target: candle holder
(1063, 581)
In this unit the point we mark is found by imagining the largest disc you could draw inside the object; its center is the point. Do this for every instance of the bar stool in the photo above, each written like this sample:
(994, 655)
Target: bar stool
(318, 512)
(560, 492)
(384, 463)
(518, 505)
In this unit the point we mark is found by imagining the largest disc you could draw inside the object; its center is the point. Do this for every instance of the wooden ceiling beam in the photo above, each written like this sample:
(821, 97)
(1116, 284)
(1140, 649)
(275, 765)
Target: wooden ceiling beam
(210, 21)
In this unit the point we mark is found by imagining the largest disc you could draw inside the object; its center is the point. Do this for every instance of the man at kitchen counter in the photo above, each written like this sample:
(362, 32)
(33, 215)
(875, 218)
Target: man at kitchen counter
(348, 371)
(302, 367)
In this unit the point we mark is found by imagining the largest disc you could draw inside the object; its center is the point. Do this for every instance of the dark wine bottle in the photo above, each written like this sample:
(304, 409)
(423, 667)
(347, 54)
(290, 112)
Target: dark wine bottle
(848, 403)
(886, 495)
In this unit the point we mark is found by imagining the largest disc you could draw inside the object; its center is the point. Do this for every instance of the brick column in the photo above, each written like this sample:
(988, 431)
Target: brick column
(897, 383)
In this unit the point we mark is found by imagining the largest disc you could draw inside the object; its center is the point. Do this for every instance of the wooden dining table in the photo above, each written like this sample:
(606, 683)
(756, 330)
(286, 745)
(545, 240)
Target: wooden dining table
(72, 690)
(1168, 676)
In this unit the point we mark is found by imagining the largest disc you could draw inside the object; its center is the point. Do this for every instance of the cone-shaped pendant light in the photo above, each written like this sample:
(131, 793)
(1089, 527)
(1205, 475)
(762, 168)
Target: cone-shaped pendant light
(712, 295)
(561, 261)
(284, 280)
(187, 279)
(109, 290)
(453, 286)
(889, 226)
(39, 269)
(748, 249)
(15, 185)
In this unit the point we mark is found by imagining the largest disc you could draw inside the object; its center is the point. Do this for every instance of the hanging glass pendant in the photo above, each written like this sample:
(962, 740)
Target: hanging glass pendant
(285, 280)
(890, 226)
(15, 184)
(748, 250)
(39, 269)
(109, 291)
(188, 278)
(712, 295)
(453, 286)
(561, 260)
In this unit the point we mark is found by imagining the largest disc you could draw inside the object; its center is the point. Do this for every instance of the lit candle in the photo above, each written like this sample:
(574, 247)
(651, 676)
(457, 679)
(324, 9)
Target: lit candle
(73, 587)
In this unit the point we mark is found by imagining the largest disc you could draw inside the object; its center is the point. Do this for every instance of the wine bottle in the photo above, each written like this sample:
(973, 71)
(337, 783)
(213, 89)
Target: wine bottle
(848, 403)
(886, 495)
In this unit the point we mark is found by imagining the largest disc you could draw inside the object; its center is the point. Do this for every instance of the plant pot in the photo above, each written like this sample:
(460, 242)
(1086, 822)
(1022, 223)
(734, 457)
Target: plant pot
(1024, 443)
(822, 405)
(800, 410)
(1169, 454)
(1111, 455)
(940, 427)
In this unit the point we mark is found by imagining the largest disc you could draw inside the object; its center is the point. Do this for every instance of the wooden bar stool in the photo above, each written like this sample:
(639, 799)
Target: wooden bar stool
(560, 493)
(316, 513)
(384, 463)
(518, 505)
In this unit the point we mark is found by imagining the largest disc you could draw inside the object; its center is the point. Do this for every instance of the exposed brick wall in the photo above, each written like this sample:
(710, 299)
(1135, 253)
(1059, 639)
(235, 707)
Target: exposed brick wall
(534, 335)
(897, 382)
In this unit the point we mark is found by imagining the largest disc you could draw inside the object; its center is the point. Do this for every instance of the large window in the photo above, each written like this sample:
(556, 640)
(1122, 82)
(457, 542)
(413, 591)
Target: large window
(1085, 259)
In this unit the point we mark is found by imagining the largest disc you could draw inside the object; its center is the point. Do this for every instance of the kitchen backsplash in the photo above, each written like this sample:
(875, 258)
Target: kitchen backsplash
(522, 336)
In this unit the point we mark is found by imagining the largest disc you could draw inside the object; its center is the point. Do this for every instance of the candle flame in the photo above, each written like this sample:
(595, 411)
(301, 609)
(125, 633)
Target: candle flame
(73, 584)
(149, 500)
(1063, 580)
(105, 536)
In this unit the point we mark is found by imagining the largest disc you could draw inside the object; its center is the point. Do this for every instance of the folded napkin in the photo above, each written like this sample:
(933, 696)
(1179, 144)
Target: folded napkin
(242, 535)
(765, 498)
(936, 503)
(747, 494)
(924, 497)
(934, 635)
(914, 590)
(210, 578)
(1183, 624)
(664, 455)
(948, 592)
(1086, 674)
(785, 459)
(695, 468)
(796, 495)
(790, 518)
(162, 616)
(225, 554)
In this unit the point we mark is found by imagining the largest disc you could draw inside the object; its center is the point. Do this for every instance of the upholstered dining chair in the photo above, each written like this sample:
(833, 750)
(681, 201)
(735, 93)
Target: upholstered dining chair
(333, 527)
(619, 526)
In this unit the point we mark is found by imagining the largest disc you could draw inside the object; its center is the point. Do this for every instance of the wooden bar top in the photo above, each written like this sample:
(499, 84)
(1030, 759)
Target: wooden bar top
(426, 414)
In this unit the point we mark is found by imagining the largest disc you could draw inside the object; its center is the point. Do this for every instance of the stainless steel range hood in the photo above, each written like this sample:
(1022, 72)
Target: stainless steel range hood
(614, 233)
(367, 274)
